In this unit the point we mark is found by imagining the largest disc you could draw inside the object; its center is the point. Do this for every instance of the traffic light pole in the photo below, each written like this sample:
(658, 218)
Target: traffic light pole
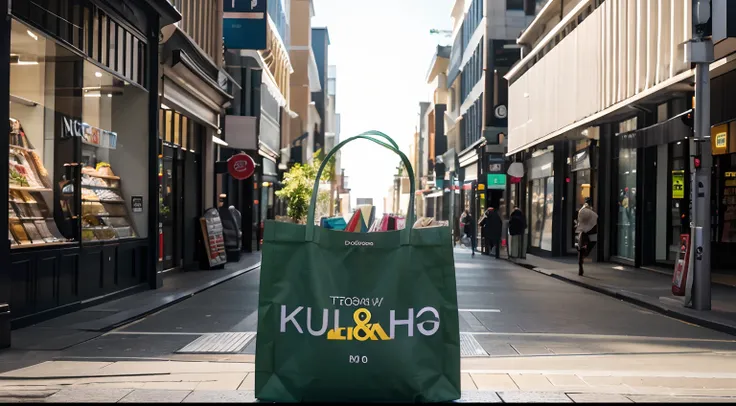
(701, 53)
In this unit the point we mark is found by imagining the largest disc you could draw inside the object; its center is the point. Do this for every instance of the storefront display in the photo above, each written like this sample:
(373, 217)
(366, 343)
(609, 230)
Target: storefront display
(541, 200)
(80, 87)
(625, 193)
(30, 222)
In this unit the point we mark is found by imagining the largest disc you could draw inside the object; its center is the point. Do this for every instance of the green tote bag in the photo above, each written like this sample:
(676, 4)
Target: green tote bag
(357, 317)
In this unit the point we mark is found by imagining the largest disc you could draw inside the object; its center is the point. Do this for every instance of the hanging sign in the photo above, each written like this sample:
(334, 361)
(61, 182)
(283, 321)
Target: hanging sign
(241, 166)
(496, 181)
(678, 184)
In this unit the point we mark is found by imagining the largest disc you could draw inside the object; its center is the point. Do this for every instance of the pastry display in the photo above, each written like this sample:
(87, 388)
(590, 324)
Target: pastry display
(93, 208)
(103, 215)
(108, 195)
(124, 232)
(89, 195)
(16, 228)
(105, 233)
(118, 210)
(32, 231)
(30, 220)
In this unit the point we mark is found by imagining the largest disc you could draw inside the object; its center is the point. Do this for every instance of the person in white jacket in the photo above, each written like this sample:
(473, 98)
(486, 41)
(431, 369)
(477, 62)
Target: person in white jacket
(586, 231)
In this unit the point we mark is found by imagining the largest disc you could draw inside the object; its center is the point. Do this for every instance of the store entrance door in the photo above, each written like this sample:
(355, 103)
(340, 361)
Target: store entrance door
(168, 207)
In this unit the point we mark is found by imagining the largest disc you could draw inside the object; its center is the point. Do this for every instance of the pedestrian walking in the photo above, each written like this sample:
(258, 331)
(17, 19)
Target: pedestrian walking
(517, 227)
(469, 229)
(492, 226)
(586, 231)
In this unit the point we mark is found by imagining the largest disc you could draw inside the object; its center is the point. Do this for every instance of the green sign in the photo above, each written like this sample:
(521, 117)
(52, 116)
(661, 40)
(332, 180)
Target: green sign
(496, 181)
(678, 184)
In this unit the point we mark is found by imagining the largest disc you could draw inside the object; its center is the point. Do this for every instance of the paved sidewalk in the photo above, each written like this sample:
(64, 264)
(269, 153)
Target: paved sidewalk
(177, 381)
(642, 287)
(54, 335)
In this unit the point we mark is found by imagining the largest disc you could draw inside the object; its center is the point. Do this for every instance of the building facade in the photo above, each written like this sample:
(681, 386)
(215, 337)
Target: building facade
(257, 36)
(436, 202)
(82, 84)
(194, 89)
(622, 135)
(483, 49)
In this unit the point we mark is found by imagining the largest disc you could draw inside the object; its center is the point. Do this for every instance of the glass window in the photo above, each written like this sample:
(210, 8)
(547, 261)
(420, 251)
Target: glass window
(169, 120)
(177, 129)
(626, 224)
(40, 172)
(536, 205)
(114, 156)
(184, 132)
(112, 55)
(514, 4)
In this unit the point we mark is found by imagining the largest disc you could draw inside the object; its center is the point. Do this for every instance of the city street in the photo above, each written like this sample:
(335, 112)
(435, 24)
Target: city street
(525, 336)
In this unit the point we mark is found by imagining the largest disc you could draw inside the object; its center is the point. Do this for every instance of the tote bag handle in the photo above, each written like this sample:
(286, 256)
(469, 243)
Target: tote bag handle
(410, 217)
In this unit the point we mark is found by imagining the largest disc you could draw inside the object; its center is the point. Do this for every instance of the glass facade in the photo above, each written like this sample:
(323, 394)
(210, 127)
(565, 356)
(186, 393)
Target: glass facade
(66, 111)
(541, 201)
(625, 195)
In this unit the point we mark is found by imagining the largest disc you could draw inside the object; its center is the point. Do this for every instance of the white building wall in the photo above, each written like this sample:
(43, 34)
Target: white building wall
(624, 48)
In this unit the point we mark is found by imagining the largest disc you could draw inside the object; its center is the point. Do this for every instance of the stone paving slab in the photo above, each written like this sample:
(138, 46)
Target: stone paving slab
(534, 397)
(221, 397)
(88, 395)
(155, 396)
(598, 398)
(479, 397)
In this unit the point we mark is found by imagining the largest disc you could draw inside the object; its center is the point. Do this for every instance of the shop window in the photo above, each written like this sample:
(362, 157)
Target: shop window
(626, 199)
(177, 129)
(184, 132)
(114, 156)
(66, 110)
(112, 55)
(169, 121)
(40, 159)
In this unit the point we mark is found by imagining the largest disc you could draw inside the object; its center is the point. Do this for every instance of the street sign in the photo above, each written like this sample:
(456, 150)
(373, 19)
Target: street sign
(241, 166)
(245, 24)
(496, 181)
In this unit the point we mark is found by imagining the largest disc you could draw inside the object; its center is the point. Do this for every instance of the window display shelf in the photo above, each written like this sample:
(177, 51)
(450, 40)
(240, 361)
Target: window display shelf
(101, 187)
(103, 201)
(41, 244)
(29, 188)
(96, 175)
(23, 101)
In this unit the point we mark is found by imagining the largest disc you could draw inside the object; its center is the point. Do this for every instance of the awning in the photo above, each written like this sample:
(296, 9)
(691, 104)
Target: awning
(662, 133)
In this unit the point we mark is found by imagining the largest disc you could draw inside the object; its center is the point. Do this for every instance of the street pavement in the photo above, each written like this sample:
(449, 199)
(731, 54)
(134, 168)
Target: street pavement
(535, 338)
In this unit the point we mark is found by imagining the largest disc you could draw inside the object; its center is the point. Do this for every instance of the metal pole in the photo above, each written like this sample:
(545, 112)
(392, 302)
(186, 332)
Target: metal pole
(701, 184)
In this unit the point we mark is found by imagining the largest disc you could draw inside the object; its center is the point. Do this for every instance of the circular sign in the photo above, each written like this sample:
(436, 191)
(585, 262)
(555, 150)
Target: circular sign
(501, 111)
(241, 166)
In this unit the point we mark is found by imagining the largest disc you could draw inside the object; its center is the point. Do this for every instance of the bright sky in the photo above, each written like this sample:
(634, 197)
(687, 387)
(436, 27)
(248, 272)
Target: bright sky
(382, 50)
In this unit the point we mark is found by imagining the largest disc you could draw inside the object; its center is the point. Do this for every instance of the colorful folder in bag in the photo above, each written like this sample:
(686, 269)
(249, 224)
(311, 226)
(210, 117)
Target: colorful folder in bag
(354, 223)
(334, 223)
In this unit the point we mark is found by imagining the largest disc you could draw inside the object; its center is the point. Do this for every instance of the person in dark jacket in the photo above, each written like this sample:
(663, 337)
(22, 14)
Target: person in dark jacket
(469, 229)
(492, 226)
(517, 227)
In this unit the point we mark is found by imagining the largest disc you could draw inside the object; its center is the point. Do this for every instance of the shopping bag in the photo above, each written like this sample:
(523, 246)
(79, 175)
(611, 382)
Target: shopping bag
(357, 317)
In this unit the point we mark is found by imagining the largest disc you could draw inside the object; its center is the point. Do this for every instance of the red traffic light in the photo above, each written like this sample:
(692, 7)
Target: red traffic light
(696, 162)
